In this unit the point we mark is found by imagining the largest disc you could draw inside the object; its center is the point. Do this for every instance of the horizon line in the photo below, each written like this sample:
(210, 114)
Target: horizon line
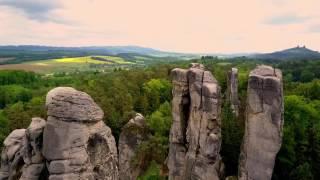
(156, 49)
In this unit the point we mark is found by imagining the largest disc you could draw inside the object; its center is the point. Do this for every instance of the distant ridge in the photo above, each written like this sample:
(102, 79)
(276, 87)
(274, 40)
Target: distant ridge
(112, 50)
(296, 53)
(20, 53)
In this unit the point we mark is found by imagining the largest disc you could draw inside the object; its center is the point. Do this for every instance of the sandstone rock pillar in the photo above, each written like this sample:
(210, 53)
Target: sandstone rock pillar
(76, 142)
(32, 155)
(263, 125)
(21, 156)
(180, 116)
(132, 135)
(12, 155)
(195, 136)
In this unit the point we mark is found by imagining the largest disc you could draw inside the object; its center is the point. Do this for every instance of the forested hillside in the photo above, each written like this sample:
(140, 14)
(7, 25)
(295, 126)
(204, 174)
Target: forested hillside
(122, 92)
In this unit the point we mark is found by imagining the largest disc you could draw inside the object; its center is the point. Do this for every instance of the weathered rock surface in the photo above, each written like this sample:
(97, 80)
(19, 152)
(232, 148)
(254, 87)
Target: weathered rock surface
(67, 104)
(132, 135)
(32, 155)
(232, 95)
(195, 135)
(263, 126)
(21, 157)
(76, 142)
(12, 155)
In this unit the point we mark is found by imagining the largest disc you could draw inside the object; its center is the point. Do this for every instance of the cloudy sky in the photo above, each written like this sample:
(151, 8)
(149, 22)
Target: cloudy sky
(175, 25)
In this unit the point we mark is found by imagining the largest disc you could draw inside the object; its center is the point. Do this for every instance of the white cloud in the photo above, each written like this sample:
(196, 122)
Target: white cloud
(39, 10)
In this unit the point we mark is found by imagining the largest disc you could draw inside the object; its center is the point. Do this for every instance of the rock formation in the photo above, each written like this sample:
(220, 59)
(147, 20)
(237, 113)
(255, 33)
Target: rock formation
(34, 167)
(76, 142)
(195, 135)
(132, 135)
(263, 125)
(232, 94)
(21, 156)
(73, 143)
(12, 155)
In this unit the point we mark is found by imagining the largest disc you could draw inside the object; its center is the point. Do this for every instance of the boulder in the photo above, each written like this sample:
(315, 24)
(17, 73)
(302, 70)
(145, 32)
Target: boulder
(132, 135)
(76, 142)
(195, 135)
(263, 125)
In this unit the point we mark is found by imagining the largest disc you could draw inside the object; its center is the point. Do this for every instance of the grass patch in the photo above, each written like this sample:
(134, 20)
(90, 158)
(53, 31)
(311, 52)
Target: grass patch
(86, 59)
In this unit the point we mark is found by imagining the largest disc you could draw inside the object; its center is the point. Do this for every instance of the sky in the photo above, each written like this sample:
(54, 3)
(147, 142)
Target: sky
(193, 26)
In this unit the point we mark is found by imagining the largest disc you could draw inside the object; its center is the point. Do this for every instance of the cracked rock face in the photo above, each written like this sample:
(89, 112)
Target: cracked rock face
(132, 135)
(76, 142)
(233, 90)
(263, 126)
(195, 135)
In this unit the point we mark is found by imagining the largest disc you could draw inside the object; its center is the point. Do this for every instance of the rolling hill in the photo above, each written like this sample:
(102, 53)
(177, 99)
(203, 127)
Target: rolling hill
(296, 53)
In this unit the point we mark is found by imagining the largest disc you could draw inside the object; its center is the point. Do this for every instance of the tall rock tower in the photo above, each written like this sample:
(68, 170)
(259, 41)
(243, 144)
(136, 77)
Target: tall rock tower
(133, 134)
(263, 125)
(195, 136)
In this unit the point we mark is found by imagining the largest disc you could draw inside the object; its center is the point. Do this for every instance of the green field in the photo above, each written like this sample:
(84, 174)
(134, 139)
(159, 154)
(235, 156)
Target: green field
(70, 64)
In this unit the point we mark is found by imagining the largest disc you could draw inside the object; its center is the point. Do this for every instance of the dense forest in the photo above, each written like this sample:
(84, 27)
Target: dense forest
(122, 92)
